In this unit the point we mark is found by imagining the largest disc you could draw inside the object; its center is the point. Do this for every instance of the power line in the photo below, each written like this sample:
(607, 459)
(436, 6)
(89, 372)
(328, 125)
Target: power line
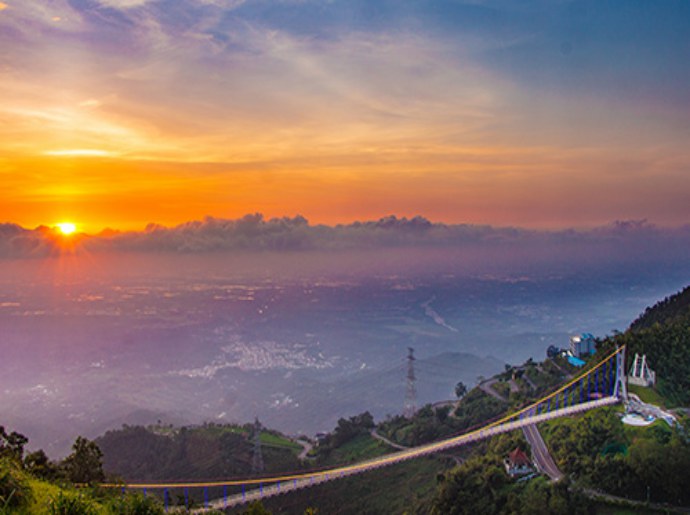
(507, 422)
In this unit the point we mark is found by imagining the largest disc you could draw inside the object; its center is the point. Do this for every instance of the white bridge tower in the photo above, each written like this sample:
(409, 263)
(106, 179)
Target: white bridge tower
(620, 389)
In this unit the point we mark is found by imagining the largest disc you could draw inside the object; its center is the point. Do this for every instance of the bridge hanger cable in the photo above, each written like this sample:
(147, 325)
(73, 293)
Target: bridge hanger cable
(375, 462)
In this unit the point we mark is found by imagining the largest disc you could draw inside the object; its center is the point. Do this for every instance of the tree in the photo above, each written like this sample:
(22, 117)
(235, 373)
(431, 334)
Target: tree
(348, 429)
(442, 413)
(476, 486)
(38, 464)
(460, 390)
(136, 504)
(85, 464)
(256, 508)
(12, 444)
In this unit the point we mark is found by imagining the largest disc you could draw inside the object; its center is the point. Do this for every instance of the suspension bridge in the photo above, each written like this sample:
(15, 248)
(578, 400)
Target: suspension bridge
(602, 385)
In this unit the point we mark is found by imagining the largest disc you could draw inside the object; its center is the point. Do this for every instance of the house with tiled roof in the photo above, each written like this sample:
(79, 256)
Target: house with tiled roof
(517, 463)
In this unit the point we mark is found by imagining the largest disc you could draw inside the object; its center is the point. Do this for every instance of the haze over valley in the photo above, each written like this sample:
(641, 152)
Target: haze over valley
(300, 338)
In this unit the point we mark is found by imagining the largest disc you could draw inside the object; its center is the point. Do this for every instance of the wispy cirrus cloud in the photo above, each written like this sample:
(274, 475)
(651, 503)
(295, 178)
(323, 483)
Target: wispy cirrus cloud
(380, 89)
(340, 91)
(124, 4)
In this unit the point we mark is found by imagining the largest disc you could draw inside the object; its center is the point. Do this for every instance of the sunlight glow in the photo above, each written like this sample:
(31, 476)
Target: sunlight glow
(79, 152)
(66, 228)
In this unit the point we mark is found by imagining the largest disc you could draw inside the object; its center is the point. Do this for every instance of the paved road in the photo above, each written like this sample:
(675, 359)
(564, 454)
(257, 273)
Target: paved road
(457, 459)
(636, 404)
(528, 380)
(306, 448)
(540, 453)
(385, 440)
(486, 388)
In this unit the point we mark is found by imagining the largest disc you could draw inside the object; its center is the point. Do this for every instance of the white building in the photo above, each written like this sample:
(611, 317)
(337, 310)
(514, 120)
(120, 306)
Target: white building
(640, 373)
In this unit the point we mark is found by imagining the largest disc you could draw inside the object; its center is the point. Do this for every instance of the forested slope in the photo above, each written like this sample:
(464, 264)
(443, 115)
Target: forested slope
(663, 334)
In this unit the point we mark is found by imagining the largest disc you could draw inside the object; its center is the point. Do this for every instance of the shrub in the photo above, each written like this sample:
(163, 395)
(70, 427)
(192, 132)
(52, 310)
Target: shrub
(136, 504)
(14, 489)
(71, 504)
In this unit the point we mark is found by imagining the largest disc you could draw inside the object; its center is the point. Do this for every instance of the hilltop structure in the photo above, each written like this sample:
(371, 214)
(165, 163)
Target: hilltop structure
(640, 373)
(582, 346)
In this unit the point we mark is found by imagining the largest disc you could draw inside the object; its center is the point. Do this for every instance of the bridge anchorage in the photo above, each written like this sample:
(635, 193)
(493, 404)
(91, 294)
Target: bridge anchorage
(601, 385)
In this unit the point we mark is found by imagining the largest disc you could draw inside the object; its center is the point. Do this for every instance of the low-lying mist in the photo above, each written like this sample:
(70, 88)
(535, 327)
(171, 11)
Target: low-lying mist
(297, 324)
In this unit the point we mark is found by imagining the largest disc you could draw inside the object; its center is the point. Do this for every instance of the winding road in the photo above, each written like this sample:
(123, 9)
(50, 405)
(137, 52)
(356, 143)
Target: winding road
(285, 484)
(540, 453)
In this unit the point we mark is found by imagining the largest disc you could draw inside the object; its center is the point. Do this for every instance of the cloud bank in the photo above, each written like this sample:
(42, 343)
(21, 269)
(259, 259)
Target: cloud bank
(255, 233)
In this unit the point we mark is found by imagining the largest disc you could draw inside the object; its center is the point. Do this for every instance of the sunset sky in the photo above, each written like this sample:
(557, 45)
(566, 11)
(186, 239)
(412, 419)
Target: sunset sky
(116, 113)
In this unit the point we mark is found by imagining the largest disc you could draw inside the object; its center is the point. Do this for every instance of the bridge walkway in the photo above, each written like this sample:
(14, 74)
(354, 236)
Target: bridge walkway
(296, 482)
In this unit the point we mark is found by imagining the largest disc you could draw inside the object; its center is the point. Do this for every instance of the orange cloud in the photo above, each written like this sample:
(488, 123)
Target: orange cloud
(149, 122)
(503, 186)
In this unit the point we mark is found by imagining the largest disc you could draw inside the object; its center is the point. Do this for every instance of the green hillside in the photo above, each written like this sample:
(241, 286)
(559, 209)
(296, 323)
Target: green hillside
(663, 334)
(595, 450)
(481, 485)
(25, 489)
(403, 488)
(210, 451)
(627, 461)
(675, 307)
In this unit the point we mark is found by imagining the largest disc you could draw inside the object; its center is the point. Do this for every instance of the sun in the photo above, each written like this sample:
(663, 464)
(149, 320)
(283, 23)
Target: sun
(66, 228)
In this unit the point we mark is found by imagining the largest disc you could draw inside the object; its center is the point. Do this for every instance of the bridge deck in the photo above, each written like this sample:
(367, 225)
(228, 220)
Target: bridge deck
(269, 487)
(278, 486)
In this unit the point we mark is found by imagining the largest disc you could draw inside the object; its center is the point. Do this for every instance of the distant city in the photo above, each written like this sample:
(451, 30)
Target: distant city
(298, 352)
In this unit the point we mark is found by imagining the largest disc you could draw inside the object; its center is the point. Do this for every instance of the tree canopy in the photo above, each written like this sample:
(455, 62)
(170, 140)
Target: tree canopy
(85, 464)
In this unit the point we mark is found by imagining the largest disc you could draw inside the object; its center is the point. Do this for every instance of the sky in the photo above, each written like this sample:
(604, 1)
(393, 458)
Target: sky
(118, 113)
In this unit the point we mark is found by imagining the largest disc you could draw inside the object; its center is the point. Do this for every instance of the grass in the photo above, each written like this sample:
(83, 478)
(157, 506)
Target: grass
(44, 495)
(359, 448)
(632, 431)
(45, 498)
(546, 378)
(218, 430)
(391, 490)
(273, 440)
(648, 395)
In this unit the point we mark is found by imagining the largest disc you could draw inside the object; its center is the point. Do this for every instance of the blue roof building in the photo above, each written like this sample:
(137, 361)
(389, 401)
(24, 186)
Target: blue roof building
(582, 346)
(576, 362)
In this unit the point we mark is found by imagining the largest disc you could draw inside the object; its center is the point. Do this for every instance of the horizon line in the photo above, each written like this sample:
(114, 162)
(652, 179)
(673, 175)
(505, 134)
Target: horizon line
(389, 218)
